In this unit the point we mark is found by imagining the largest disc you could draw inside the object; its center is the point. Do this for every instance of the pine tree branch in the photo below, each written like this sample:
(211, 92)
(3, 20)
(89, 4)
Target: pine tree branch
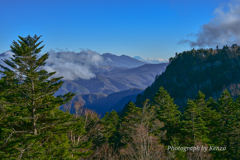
(47, 87)
(13, 103)
(45, 141)
(12, 134)
(23, 150)
(48, 126)
(2, 107)
(44, 96)
(38, 106)
(19, 90)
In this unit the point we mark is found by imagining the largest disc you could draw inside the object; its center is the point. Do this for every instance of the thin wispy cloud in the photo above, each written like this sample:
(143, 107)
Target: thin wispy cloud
(223, 29)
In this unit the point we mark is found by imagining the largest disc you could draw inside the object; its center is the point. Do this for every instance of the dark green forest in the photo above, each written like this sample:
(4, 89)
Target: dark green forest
(206, 70)
(190, 112)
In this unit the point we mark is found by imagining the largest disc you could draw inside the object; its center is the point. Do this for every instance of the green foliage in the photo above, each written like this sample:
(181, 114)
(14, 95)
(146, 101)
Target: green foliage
(227, 125)
(193, 125)
(33, 127)
(235, 145)
(31, 123)
(135, 117)
(168, 113)
(205, 70)
(110, 122)
(128, 121)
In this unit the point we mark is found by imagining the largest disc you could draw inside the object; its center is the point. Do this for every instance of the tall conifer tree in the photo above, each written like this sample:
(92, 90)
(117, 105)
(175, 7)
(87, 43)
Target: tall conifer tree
(168, 113)
(110, 122)
(129, 121)
(34, 127)
(193, 126)
(236, 130)
(228, 123)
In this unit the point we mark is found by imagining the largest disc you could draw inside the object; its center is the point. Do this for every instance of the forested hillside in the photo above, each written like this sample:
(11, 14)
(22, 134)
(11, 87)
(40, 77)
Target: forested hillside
(33, 126)
(206, 70)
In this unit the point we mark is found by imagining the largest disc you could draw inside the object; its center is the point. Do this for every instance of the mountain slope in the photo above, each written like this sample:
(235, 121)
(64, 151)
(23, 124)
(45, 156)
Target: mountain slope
(121, 61)
(115, 80)
(85, 64)
(121, 103)
(84, 99)
(102, 103)
(207, 70)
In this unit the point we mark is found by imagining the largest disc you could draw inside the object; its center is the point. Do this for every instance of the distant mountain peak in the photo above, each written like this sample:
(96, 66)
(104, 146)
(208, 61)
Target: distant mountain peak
(151, 60)
(138, 58)
(107, 54)
(110, 54)
(121, 61)
(124, 55)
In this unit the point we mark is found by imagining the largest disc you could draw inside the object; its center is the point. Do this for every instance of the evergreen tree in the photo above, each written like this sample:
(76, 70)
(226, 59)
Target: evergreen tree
(236, 131)
(228, 123)
(208, 114)
(212, 118)
(193, 126)
(129, 121)
(77, 134)
(168, 113)
(33, 126)
(110, 122)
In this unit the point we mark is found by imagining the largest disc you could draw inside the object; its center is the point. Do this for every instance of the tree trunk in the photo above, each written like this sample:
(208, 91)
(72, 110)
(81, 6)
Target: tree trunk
(34, 122)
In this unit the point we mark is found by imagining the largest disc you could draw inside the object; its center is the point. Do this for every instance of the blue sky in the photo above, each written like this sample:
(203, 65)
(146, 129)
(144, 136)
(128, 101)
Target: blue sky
(149, 29)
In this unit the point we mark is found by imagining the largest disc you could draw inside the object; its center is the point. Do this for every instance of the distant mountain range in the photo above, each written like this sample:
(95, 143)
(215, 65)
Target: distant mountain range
(111, 73)
(113, 62)
(151, 60)
(113, 89)
(121, 61)
(84, 64)
(115, 80)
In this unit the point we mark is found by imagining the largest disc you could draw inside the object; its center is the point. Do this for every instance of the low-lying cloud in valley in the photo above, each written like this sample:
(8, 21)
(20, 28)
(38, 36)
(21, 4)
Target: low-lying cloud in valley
(68, 64)
(73, 65)
(221, 30)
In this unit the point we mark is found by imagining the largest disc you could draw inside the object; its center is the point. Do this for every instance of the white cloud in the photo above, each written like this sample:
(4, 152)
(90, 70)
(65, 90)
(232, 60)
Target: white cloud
(73, 65)
(70, 65)
(221, 30)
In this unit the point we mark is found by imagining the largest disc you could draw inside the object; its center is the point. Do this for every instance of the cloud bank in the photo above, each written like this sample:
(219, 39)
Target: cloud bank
(73, 65)
(68, 64)
(221, 30)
